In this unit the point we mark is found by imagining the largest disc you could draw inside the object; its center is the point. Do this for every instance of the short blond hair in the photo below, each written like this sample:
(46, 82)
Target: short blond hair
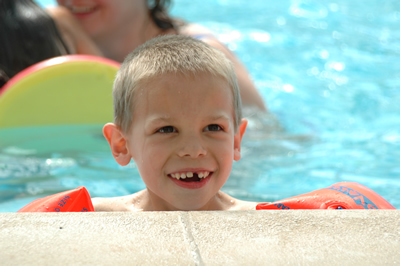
(169, 54)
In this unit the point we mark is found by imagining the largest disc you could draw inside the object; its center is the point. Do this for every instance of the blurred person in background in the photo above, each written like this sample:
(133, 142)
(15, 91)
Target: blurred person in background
(119, 26)
(29, 34)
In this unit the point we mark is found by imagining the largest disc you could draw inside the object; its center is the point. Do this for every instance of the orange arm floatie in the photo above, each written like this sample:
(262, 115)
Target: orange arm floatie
(75, 200)
(343, 195)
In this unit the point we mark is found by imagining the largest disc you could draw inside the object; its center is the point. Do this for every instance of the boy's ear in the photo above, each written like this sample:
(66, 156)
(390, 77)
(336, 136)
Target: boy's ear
(118, 143)
(238, 139)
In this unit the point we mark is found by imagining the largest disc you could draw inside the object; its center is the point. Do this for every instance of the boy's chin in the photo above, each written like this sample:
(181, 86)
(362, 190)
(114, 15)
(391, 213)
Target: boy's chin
(184, 201)
(190, 205)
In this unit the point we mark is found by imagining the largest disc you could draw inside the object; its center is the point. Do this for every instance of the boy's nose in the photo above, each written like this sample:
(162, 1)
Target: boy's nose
(192, 147)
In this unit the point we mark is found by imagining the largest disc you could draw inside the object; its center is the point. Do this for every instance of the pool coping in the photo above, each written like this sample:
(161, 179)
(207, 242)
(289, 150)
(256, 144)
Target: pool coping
(274, 237)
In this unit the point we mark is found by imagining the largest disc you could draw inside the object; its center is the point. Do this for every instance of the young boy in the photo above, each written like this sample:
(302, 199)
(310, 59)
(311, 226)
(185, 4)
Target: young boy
(177, 114)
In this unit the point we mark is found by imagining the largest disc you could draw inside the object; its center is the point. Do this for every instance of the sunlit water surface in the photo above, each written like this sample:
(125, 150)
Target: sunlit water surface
(329, 72)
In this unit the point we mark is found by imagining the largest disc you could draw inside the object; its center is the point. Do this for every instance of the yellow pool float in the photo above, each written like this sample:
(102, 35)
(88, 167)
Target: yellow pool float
(72, 89)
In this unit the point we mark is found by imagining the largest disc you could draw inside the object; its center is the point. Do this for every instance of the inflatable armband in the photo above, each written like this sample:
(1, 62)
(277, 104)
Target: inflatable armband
(75, 200)
(343, 195)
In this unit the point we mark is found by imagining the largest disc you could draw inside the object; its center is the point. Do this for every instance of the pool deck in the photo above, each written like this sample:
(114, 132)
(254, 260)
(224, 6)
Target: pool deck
(301, 237)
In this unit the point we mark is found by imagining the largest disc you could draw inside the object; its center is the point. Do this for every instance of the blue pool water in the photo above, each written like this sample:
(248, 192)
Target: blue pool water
(329, 72)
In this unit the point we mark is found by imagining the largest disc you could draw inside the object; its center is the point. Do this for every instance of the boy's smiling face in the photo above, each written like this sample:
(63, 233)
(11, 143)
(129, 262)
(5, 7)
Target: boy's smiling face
(184, 127)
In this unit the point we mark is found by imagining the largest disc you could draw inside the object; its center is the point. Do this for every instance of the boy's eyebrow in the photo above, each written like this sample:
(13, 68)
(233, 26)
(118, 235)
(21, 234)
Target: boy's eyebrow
(158, 119)
(167, 119)
(219, 116)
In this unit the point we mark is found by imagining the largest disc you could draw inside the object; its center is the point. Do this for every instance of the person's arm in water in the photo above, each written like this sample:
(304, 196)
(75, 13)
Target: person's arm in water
(72, 32)
(248, 92)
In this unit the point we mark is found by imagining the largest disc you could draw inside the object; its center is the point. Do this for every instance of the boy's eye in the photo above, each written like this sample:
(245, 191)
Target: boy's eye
(213, 127)
(167, 129)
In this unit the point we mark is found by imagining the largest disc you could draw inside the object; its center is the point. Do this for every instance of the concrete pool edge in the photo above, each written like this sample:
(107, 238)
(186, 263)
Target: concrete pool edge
(194, 238)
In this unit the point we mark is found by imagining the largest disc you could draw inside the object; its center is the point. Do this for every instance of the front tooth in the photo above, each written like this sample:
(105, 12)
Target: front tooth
(189, 174)
(183, 176)
(201, 175)
(206, 174)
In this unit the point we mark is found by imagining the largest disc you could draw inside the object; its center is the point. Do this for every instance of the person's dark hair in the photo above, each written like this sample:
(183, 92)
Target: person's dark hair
(28, 35)
(159, 13)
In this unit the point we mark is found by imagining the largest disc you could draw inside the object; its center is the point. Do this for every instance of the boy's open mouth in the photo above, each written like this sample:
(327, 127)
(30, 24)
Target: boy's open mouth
(190, 176)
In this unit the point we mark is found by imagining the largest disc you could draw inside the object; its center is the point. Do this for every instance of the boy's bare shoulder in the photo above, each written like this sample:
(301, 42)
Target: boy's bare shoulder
(241, 205)
(117, 204)
(230, 203)
(245, 205)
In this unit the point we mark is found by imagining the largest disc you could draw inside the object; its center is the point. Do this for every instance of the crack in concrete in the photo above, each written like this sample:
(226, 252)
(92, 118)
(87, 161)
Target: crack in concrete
(187, 225)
